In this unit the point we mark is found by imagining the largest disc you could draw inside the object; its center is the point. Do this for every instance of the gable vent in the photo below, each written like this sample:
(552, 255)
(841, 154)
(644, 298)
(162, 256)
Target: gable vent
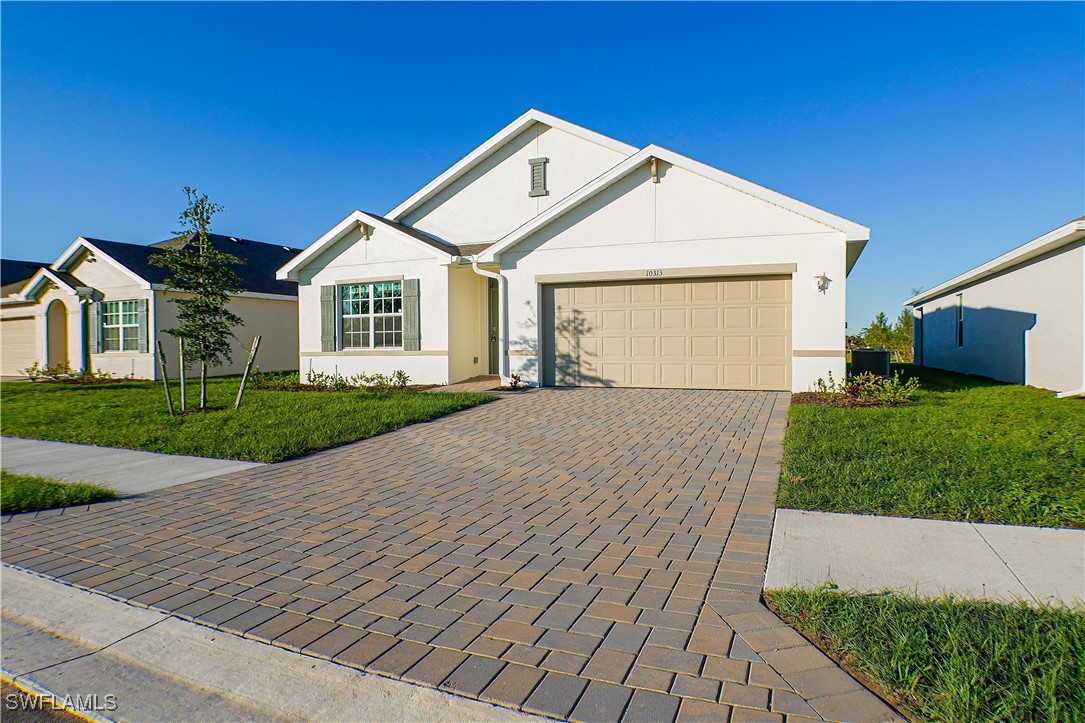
(538, 177)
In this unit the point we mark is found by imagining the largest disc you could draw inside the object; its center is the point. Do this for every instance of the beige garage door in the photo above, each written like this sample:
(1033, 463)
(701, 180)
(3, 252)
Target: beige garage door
(18, 347)
(717, 333)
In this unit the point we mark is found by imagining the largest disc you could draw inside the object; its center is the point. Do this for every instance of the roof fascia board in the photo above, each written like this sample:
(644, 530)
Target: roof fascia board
(853, 232)
(30, 290)
(70, 253)
(289, 272)
(495, 142)
(1063, 235)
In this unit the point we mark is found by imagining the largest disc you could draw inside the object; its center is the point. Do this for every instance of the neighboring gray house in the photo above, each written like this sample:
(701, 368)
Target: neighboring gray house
(1018, 318)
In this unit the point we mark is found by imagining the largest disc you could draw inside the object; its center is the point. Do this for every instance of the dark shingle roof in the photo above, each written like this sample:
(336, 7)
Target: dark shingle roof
(13, 271)
(440, 244)
(257, 273)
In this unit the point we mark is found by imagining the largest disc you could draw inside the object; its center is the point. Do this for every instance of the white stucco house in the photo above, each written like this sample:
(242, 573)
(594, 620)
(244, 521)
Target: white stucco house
(102, 305)
(570, 258)
(1018, 318)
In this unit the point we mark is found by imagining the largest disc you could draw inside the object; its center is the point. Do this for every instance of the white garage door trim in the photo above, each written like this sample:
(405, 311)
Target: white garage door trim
(688, 333)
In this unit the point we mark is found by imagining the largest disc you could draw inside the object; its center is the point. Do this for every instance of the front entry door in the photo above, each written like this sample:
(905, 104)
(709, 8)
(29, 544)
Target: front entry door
(493, 319)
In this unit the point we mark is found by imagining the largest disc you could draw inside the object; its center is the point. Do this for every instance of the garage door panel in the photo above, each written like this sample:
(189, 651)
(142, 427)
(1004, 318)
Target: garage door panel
(673, 347)
(673, 319)
(615, 347)
(705, 319)
(644, 347)
(771, 317)
(706, 347)
(739, 317)
(738, 347)
(614, 320)
(644, 375)
(701, 333)
(773, 290)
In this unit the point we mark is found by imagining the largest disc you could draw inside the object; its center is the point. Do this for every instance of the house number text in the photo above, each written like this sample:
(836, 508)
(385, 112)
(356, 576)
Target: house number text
(653, 272)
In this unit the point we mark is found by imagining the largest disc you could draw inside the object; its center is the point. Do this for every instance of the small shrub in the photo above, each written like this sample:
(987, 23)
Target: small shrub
(861, 390)
(274, 381)
(400, 379)
(62, 373)
(516, 381)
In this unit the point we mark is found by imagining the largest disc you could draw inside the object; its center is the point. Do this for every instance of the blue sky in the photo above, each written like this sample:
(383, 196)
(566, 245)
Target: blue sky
(955, 131)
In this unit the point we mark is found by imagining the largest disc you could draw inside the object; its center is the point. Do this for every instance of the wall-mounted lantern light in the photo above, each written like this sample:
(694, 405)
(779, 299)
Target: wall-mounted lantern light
(823, 282)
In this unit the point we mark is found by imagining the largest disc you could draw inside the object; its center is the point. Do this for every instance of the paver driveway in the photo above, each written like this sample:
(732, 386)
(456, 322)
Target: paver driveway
(591, 554)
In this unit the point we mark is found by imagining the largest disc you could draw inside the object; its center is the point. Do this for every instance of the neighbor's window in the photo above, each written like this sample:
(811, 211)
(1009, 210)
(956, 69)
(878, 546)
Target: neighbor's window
(120, 325)
(960, 320)
(372, 315)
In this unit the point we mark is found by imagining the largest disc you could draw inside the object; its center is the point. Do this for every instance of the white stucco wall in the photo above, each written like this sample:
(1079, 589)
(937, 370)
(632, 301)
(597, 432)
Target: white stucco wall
(1024, 325)
(274, 320)
(492, 199)
(685, 220)
(385, 256)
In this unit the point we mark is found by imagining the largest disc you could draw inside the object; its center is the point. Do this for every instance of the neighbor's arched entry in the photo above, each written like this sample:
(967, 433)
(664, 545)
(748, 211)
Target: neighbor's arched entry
(56, 325)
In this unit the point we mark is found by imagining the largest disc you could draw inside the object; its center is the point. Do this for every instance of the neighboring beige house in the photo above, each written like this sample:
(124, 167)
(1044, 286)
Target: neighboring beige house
(1017, 318)
(571, 258)
(102, 305)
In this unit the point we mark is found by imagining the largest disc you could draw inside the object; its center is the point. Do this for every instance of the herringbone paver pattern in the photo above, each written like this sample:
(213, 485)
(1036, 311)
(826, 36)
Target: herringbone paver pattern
(590, 554)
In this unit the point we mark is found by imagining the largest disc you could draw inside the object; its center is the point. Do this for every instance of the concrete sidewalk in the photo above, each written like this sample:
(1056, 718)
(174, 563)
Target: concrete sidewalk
(928, 558)
(127, 471)
(141, 665)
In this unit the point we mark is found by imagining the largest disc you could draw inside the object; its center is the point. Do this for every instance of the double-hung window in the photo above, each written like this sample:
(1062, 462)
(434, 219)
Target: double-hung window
(372, 315)
(120, 325)
(960, 320)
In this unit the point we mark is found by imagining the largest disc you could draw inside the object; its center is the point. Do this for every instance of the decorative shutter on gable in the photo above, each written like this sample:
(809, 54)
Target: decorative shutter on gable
(95, 331)
(328, 319)
(412, 332)
(538, 177)
(144, 336)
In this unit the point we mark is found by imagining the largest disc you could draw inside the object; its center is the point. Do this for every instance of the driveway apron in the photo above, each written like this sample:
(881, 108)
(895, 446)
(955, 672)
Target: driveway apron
(591, 554)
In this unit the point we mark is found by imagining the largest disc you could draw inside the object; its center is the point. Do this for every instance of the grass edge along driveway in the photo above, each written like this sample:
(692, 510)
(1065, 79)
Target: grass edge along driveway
(967, 449)
(270, 426)
(29, 493)
(947, 660)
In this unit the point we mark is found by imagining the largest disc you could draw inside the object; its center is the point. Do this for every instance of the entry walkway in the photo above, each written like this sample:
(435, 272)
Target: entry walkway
(128, 472)
(927, 558)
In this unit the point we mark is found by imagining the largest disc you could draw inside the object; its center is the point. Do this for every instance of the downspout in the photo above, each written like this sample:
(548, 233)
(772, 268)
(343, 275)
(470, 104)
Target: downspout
(502, 316)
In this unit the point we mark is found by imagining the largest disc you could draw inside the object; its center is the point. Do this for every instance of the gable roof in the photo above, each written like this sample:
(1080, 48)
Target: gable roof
(45, 275)
(495, 142)
(1050, 241)
(420, 239)
(855, 233)
(257, 273)
(13, 271)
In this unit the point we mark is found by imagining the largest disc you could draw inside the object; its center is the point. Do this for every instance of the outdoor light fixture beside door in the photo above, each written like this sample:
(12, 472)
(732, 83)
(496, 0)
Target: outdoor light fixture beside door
(823, 282)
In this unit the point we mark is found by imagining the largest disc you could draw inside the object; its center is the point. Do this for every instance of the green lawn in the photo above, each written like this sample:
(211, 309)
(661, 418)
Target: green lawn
(952, 661)
(966, 449)
(270, 426)
(21, 493)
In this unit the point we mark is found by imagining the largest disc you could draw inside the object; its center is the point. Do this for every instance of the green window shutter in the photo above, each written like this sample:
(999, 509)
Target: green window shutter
(412, 332)
(328, 319)
(538, 177)
(95, 331)
(144, 336)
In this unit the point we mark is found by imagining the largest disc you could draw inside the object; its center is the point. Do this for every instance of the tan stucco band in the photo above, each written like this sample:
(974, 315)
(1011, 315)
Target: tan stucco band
(369, 279)
(819, 352)
(377, 352)
(677, 273)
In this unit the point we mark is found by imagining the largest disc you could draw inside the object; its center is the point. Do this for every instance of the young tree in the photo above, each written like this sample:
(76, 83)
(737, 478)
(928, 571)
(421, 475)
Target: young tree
(204, 275)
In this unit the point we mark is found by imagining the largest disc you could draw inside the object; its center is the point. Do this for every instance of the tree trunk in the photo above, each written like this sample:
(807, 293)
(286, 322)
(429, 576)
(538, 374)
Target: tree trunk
(203, 385)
